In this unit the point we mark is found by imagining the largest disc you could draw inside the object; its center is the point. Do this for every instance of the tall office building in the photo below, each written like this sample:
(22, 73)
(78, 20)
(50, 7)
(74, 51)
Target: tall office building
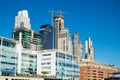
(23, 33)
(77, 47)
(62, 35)
(46, 31)
(89, 50)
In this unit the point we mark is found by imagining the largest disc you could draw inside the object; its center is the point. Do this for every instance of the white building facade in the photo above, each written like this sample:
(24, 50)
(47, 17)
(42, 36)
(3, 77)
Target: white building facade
(22, 19)
(58, 65)
(8, 57)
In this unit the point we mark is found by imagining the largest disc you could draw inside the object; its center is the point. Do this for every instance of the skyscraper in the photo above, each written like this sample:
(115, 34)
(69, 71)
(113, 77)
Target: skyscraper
(46, 31)
(62, 35)
(89, 50)
(77, 46)
(22, 32)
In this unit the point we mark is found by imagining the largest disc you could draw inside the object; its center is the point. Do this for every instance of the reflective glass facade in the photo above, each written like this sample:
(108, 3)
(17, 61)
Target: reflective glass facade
(46, 31)
(58, 65)
(66, 67)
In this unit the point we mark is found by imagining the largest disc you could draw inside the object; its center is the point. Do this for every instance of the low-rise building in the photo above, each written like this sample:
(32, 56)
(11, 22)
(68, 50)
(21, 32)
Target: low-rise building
(92, 70)
(58, 64)
(16, 60)
(8, 57)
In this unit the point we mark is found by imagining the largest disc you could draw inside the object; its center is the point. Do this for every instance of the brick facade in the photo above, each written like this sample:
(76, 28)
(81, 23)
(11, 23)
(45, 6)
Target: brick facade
(91, 70)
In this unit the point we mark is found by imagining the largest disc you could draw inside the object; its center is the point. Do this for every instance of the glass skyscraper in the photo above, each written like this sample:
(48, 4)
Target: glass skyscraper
(46, 31)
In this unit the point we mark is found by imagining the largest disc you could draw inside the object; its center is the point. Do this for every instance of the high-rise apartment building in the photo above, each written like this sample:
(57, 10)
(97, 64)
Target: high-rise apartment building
(62, 35)
(77, 47)
(23, 33)
(46, 31)
(89, 50)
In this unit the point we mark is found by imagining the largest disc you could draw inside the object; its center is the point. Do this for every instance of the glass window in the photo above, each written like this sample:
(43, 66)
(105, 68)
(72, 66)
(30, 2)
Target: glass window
(46, 54)
(0, 42)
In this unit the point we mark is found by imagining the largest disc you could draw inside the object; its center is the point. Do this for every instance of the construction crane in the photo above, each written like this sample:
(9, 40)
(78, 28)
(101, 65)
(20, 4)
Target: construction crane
(55, 13)
(61, 12)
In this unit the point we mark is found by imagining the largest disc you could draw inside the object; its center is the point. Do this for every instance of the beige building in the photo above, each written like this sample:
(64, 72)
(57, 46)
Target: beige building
(92, 70)
(62, 35)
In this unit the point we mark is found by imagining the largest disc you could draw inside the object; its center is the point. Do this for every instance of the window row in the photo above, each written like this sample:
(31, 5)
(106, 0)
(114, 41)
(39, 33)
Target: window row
(2, 62)
(5, 43)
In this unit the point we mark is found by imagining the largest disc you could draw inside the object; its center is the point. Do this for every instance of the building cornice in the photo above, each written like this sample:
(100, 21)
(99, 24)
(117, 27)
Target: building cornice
(86, 62)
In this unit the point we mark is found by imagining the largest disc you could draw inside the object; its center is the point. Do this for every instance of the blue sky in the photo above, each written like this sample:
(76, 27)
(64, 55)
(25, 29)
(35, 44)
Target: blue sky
(99, 19)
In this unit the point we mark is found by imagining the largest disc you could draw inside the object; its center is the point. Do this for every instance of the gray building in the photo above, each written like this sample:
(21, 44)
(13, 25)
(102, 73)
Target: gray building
(77, 47)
